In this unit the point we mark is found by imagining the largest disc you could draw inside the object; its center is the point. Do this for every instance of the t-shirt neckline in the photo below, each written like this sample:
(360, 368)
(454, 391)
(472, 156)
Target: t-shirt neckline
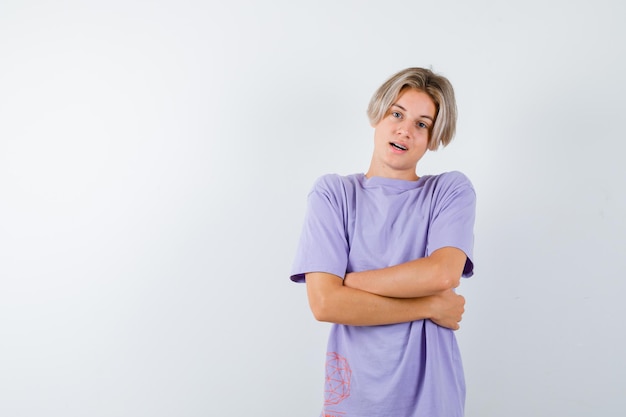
(391, 182)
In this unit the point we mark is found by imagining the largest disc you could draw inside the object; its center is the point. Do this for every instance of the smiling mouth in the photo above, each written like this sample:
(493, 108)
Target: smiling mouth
(400, 147)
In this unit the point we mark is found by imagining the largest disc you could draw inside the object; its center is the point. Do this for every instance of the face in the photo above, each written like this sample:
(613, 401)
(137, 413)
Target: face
(401, 136)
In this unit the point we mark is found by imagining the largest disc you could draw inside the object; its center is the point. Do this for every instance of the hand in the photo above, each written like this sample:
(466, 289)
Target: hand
(447, 309)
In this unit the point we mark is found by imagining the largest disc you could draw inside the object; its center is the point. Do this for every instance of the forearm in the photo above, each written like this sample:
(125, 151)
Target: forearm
(417, 278)
(408, 280)
(333, 302)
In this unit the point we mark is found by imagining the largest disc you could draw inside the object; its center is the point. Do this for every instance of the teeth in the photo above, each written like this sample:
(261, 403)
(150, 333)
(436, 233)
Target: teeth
(395, 145)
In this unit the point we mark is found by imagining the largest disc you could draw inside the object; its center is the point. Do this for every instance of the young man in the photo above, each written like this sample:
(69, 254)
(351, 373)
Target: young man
(381, 254)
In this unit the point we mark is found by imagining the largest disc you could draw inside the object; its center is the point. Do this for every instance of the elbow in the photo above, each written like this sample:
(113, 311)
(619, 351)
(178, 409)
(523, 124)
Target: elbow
(325, 306)
(446, 279)
(324, 296)
(320, 316)
(320, 307)
(447, 267)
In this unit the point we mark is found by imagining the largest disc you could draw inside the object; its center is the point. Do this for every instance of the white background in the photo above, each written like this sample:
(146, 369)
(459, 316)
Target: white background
(155, 158)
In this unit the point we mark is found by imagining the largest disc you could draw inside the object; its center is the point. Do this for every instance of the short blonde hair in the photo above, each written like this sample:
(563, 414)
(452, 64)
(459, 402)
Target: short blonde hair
(436, 86)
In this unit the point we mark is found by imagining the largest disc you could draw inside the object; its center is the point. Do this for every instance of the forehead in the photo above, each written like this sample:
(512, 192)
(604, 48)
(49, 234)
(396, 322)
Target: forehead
(414, 100)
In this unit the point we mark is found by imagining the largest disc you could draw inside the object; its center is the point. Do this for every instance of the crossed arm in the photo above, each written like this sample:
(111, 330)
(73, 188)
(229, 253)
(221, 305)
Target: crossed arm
(415, 290)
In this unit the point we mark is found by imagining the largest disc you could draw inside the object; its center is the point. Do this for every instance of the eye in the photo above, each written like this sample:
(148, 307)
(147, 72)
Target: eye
(396, 114)
(422, 125)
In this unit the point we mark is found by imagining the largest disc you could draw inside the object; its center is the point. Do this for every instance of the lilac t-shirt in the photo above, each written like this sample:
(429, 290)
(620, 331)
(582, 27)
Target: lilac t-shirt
(354, 223)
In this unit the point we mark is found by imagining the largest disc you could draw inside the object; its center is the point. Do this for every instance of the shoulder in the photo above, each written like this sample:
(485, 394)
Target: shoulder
(451, 187)
(334, 190)
(454, 177)
(334, 183)
(453, 180)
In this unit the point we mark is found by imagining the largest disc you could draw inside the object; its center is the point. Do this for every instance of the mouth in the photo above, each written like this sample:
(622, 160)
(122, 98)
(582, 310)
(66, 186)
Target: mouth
(398, 146)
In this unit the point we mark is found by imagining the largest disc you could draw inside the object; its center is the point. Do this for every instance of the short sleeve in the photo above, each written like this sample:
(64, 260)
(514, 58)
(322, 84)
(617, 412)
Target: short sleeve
(323, 245)
(452, 217)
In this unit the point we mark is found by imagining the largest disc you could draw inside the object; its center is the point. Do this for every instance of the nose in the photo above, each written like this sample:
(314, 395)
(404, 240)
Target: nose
(404, 128)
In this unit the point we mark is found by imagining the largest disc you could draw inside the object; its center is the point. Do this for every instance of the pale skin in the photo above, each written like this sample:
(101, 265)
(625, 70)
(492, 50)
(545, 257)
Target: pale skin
(419, 289)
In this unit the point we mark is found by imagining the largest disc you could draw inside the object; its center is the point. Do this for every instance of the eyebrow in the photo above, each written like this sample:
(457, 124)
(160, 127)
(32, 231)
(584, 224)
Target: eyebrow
(403, 109)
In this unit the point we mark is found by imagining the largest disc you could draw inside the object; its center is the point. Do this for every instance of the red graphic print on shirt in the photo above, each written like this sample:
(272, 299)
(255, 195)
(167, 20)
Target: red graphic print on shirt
(338, 375)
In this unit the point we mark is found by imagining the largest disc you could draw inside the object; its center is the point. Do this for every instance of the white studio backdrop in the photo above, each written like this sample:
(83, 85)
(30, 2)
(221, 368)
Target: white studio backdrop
(155, 158)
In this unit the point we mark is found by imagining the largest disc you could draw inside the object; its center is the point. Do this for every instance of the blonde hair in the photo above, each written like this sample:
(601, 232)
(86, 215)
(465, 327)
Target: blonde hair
(436, 86)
